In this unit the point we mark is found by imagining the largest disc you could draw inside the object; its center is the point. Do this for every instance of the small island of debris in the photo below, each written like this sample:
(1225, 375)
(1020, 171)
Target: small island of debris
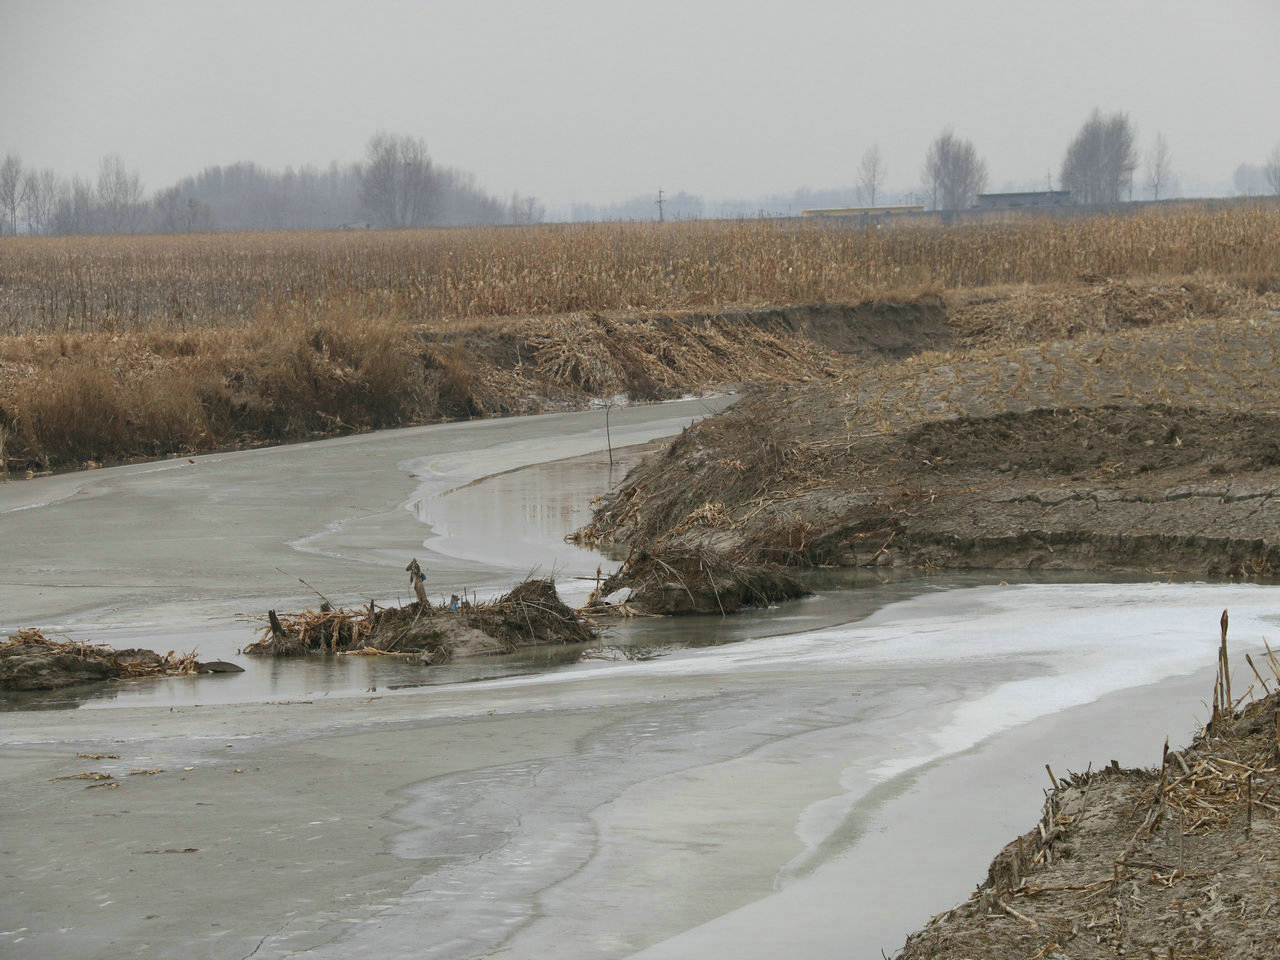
(530, 614)
(31, 661)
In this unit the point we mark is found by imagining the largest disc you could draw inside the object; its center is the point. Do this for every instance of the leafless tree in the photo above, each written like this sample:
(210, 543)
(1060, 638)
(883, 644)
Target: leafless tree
(1272, 170)
(10, 191)
(398, 183)
(1158, 172)
(954, 174)
(526, 209)
(39, 197)
(119, 196)
(77, 210)
(1100, 161)
(871, 174)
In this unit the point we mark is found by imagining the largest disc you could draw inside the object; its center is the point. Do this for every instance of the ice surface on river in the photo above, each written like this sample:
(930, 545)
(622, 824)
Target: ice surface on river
(953, 668)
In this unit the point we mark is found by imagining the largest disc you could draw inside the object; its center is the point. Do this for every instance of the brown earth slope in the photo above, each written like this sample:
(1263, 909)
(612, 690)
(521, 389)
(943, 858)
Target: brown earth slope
(69, 399)
(1180, 861)
(1151, 443)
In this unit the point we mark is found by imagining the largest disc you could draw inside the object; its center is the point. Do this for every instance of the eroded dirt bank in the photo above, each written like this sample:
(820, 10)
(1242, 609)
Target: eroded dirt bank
(71, 399)
(1150, 443)
(1179, 860)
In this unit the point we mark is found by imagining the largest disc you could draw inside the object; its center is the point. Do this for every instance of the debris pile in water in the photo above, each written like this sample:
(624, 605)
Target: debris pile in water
(31, 661)
(532, 613)
(693, 580)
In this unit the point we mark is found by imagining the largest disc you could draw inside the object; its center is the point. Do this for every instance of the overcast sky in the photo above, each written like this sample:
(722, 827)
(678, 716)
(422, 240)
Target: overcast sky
(601, 101)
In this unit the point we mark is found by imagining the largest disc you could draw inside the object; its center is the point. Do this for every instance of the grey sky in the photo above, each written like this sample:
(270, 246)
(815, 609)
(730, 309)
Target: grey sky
(597, 101)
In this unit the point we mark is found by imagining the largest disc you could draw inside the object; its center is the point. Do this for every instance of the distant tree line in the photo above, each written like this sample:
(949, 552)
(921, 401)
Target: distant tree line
(397, 186)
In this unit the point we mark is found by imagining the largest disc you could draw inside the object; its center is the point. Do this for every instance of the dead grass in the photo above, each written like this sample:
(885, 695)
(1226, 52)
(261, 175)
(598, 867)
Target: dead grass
(29, 660)
(531, 613)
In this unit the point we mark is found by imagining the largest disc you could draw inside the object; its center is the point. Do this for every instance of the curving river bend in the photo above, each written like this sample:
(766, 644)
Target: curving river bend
(843, 769)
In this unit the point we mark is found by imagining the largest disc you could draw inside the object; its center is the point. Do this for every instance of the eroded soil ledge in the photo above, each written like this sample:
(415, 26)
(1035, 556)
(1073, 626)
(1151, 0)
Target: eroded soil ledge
(69, 400)
(1178, 861)
(1147, 445)
(31, 661)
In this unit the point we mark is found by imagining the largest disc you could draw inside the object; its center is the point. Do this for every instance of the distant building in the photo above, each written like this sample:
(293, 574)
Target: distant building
(1032, 198)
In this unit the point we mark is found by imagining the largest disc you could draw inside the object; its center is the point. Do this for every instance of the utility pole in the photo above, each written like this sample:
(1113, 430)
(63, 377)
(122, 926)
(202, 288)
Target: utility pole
(660, 202)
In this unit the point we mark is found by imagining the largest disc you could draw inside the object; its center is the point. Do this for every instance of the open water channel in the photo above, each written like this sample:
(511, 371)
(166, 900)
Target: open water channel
(819, 778)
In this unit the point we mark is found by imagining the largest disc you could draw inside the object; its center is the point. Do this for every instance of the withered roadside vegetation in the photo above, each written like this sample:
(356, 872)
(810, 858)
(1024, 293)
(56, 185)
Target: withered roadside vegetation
(114, 348)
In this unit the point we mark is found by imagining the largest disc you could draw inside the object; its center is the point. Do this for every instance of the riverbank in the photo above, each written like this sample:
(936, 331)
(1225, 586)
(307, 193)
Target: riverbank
(1181, 859)
(1145, 443)
(128, 348)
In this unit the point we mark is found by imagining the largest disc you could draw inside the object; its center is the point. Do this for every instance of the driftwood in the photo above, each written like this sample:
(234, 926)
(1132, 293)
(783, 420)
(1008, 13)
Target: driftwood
(417, 580)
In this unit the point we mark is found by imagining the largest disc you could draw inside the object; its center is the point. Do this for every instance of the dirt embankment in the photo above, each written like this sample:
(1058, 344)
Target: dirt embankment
(68, 400)
(1146, 439)
(1178, 861)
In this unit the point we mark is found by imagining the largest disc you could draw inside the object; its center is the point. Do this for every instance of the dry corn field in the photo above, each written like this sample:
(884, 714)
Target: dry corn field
(115, 284)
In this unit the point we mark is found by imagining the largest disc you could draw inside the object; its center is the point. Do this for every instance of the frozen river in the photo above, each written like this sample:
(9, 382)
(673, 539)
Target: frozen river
(841, 770)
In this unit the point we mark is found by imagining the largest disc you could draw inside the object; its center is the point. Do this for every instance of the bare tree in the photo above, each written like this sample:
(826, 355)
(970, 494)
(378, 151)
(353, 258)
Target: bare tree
(119, 196)
(10, 191)
(954, 174)
(1158, 171)
(526, 210)
(1272, 170)
(39, 197)
(398, 184)
(871, 174)
(77, 210)
(1099, 164)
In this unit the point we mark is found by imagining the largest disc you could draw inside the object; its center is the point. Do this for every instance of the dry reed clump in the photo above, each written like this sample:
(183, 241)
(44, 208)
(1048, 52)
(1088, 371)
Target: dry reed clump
(114, 284)
(683, 580)
(304, 373)
(76, 398)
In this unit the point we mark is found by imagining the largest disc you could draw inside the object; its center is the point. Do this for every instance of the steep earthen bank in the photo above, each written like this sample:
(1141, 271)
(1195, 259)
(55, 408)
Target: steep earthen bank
(77, 398)
(1178, 860)
(87, 398)
(1148, 448)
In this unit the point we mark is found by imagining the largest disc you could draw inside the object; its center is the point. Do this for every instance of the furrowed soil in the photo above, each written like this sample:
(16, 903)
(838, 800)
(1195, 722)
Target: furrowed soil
(1142, 433)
